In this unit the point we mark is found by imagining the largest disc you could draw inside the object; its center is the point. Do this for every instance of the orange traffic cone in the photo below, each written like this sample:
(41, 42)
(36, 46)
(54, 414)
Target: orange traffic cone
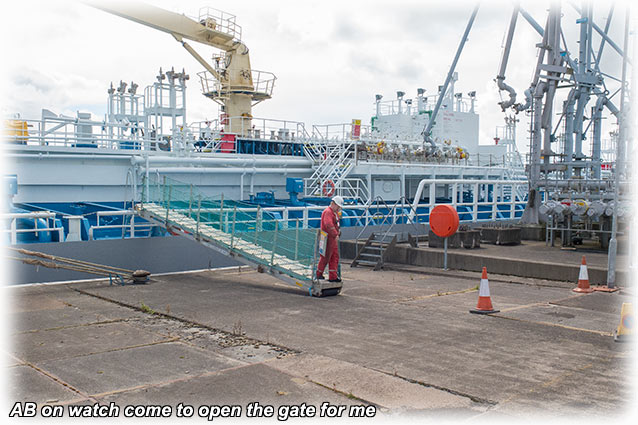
(583, 279)
(484, 305)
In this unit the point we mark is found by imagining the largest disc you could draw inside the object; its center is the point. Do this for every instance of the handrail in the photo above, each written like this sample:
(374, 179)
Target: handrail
(365, 214)
(392, 212)
(35, 215)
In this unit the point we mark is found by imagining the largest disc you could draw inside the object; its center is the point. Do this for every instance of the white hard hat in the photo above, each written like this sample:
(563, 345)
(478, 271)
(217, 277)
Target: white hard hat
(338, 200)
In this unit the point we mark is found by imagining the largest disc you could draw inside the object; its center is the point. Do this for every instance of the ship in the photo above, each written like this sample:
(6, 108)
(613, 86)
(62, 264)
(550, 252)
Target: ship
(276, 164)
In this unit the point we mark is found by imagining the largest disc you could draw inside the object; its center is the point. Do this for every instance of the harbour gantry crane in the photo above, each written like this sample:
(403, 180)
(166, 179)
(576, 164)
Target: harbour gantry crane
(229, 80)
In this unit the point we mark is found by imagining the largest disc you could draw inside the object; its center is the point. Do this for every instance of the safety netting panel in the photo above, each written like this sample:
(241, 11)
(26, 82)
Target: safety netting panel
(237, 226)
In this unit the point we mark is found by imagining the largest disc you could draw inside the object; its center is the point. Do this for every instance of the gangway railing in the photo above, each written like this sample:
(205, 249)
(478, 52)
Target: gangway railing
(289, 253)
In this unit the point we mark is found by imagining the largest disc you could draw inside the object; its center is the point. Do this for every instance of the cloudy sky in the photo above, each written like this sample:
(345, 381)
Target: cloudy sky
(330, 57)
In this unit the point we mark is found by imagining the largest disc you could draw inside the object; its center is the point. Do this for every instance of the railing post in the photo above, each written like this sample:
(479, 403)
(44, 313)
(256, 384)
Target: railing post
(232, 235)
(157, 185)
(494, 202)
(432, 194)
(168, 205)
(272, 248)
(199, 208)
(475, 203)
(296, 237)
(132, 225)
(455, 192)
(190, 203)
(143, 193)
(257, 223)
(314, 257)
(221, 214)
(513, 201)
(163, 191)
(14, 231)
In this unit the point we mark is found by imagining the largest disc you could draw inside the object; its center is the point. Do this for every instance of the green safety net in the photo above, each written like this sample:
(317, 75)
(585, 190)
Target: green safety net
(239, 227)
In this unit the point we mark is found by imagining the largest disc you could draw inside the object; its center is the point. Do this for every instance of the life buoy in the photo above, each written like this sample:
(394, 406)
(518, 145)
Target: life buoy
(328, 188)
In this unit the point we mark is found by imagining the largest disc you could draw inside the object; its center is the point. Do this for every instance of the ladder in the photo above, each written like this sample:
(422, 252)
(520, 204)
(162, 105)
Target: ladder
(256, 239)
(378, 245)
(375, 250)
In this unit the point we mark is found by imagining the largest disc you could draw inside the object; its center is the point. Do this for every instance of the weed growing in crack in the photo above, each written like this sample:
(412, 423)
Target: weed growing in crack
(237, 328)
(146, 309)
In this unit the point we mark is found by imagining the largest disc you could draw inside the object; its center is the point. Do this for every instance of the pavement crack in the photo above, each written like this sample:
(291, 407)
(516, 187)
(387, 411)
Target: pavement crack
(82, 325)
(348, 395)
(114, 350)
(438, 294)
(225, 339)
(471, 276)
(556, 325)
(59, 381)
(169, 382)
(551, 382)
(438, 387)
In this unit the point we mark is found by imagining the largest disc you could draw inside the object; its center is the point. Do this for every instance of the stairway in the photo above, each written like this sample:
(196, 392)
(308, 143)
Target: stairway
(375, 250)
(333, 161)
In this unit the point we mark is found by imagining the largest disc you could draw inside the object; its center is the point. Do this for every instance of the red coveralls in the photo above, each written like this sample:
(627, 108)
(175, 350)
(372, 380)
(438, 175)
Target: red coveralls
(330, 225)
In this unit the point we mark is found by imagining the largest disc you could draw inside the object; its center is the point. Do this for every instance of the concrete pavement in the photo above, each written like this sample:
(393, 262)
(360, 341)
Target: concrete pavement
(401, 340)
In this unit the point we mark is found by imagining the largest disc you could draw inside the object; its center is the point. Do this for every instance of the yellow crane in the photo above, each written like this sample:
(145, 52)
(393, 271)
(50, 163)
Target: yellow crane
(231, 81)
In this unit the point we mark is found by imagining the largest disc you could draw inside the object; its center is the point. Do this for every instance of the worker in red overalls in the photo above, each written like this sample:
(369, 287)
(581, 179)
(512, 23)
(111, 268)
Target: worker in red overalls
(330, 225)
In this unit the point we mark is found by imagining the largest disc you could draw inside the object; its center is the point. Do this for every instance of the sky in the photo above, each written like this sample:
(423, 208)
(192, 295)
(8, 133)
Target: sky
(330, 57)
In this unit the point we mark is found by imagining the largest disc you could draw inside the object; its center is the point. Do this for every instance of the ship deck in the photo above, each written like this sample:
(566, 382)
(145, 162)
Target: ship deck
(402, 340)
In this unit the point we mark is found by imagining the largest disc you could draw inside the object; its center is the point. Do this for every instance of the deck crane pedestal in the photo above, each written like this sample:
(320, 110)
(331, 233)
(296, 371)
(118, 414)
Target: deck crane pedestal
(231, 81)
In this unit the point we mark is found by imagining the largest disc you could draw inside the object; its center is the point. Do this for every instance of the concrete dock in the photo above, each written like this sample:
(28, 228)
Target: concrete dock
(401, 340)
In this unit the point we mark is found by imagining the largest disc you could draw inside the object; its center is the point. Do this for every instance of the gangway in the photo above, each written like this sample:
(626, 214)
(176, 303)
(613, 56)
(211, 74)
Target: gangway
(258, 239)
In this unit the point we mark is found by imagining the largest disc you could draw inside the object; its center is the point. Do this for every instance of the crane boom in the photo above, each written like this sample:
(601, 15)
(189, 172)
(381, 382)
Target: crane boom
(170, 22)
(234, 87)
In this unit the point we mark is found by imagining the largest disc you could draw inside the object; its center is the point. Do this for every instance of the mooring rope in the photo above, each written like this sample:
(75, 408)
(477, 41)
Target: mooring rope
(57, 262)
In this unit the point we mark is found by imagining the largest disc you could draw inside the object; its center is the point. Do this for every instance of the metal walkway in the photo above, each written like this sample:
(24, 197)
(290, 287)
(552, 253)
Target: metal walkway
(257, 239)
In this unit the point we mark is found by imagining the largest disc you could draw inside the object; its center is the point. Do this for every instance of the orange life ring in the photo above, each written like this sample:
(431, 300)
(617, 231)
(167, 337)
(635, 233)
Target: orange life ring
(328, 188)
(444, 220)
